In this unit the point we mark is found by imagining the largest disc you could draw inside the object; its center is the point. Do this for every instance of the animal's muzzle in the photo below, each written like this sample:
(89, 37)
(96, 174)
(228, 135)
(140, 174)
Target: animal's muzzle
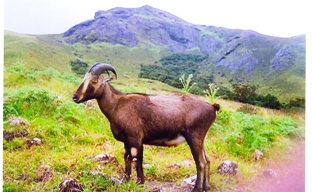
(75, 98)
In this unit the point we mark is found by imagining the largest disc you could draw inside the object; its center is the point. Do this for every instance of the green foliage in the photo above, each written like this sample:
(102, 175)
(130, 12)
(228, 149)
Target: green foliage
(242, 133)
(69, 111)
(29, 101)
(211, 92)
(12, 188)
(224, 117)
(248, 109)
(43, 75)
(186, 83)
(95, 182)
(70, 77)
(18, 66)
(243, 93)
(269, 101)
(15, 144)
(170, 68)
(297, 102)
(79, 67)
(247, 94)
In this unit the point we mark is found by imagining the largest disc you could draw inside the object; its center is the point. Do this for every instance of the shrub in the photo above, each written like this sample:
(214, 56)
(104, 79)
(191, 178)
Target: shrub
(246, 133)
(71, 78)
(247, 94)
(244, 93)
(269, 101)
(296, 102)
(43, 75)
(248, 109)
(30, 102)
(69, 111)
(79, 67)
(224, 116)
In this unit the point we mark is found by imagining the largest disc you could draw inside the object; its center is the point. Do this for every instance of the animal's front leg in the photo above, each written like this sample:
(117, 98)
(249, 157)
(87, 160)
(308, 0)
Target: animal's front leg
(137, 156)
(128, 161)
(139, 167)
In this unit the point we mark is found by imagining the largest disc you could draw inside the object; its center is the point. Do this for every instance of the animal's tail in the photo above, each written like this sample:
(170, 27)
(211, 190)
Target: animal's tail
(216, 106)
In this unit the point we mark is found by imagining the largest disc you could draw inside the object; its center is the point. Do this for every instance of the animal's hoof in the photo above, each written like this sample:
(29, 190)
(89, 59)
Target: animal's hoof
(207, 188)
(196, 190)
(125, 178)
(140, 181)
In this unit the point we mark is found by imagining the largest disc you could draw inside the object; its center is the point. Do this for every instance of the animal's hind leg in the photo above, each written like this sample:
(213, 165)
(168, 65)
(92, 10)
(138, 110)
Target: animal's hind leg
(197, 149)
(206, 173)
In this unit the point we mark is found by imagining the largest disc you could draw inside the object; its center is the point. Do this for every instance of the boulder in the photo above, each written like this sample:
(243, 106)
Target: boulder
(228, 168)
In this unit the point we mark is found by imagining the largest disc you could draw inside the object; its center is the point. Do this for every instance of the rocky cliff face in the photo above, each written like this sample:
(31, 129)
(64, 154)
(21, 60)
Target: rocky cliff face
(242, 54)
(145, 25)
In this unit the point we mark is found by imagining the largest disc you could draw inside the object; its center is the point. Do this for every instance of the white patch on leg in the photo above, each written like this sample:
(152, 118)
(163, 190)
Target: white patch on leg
(134, 151)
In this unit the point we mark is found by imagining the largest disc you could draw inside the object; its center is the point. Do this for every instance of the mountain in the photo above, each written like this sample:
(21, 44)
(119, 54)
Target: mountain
(130, 37)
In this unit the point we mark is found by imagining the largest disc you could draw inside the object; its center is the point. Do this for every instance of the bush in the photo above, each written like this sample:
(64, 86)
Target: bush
(170, 68)
(247, 94)
(244, 93)
(30, 102)
(241, 134)
(296, 102)
(268, 101)
(248, 109)
(79, 67)
(43, 75)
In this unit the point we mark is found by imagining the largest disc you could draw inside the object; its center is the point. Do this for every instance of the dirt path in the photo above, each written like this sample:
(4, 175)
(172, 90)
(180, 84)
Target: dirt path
(289, 175)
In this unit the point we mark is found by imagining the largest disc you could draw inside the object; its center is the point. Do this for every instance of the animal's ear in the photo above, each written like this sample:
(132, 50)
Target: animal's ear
(110, 78)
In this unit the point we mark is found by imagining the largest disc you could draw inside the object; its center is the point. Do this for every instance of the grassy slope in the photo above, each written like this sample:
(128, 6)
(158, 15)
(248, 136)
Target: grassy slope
(41, 52)
(71, 133)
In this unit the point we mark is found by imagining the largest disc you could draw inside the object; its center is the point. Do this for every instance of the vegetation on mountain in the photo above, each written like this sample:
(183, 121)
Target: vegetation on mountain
(247, 94)
(79, 67)
(129, 38)
(169, 69)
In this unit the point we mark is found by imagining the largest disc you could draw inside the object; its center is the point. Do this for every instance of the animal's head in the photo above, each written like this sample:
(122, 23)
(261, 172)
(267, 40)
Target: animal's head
(92, 84)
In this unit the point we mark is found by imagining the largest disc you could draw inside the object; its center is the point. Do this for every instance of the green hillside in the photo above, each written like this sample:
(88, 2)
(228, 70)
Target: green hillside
(41, 52)
(72, 134)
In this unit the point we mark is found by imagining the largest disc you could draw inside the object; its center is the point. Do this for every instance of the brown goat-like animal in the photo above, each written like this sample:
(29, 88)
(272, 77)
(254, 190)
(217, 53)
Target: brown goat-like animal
(162, 120)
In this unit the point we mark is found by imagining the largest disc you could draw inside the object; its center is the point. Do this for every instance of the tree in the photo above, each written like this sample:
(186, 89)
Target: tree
(244, 93)
(79, 67)
(269, 101)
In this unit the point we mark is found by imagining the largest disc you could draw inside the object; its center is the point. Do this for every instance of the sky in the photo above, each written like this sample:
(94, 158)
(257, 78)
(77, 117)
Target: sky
(281, 18)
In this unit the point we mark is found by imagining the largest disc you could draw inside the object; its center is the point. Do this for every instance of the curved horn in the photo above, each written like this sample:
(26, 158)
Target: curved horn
(99, 68)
